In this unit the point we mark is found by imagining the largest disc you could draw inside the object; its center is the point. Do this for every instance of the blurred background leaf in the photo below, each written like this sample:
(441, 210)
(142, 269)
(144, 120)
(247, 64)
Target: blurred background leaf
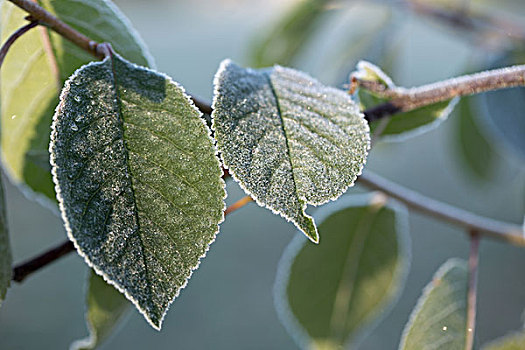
(439, 319)
(105, 307)
(328, 295)
(290, 34)
(33, 74)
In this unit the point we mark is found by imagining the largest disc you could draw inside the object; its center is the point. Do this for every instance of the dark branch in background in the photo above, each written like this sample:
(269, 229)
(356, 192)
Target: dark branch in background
(20, 272)
(21, 31)
(482, 25)
(472, 293)
(509, 233)
(23, 270)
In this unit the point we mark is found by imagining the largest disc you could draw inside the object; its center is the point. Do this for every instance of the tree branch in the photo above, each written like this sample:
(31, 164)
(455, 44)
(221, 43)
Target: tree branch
(47, 19)
(10, 41)
(405, 100)
(23, 270)
(507, 232)
(473, 261)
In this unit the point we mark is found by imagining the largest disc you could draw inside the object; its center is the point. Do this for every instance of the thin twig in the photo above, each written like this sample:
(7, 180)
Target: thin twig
(47, 19)
(9, 42)
(482, 24)
(20, 272)
(507, 232)
(237, 205)
(23, 270)
(473, 260)
(404, 100)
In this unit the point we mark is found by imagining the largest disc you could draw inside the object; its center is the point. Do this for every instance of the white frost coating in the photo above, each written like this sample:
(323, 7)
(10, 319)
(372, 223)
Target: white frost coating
(284, 312)
(365, 69)
(370, 72)
(440, 273)
(288, 140)
(62, 205)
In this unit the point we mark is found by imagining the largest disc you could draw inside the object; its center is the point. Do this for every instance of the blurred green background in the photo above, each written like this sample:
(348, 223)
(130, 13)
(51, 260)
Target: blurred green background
(228, 302)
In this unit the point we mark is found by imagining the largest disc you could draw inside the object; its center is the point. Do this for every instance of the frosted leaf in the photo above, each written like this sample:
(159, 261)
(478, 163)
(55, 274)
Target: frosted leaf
(139, 183)
(439, 320)
(401, 125)
(105, 308)
(34, 72)
(330, 296)
(287, 139)
(5, 249)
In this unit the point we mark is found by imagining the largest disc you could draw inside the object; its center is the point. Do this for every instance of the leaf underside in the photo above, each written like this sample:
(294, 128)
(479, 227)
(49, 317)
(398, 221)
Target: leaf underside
(287, 139)
(137, 178)
(439, 320)
(5, 248)
(106, 306)
(330, 295)
(35, 70)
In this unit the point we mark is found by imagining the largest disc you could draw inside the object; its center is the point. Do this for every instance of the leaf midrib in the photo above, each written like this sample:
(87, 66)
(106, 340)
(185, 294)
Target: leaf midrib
(134, 198)
(283, 128)
(352, 264)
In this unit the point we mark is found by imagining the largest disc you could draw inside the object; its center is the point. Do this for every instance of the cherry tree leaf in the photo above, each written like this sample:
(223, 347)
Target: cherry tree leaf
(400, 125)
(34, 72)
(137, 178)
(333, 294)
(287, 139)
(106, 306)
(282, 44)
(5, 248)
(439, 320)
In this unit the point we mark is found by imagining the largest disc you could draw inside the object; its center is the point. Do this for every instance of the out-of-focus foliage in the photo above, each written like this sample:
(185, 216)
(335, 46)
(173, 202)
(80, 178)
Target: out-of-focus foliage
(332, 294)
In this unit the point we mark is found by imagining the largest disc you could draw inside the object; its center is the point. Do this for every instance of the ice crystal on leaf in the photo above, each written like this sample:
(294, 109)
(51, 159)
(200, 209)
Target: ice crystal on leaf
(289, 140)
(137, 178)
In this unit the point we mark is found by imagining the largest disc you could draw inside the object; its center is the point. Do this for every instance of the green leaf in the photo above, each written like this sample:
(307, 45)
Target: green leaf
(106, 306)
(514, 341)
(138, 180)
(33, 74)
(333, 294)
(439, 320)
(476, 153)
(502, 111)
(289, 35)
(5, 249)
(400, 125)
(287, 139)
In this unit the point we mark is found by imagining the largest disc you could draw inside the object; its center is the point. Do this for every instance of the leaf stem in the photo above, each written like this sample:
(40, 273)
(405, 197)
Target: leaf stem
(10, 41)
(473, 261)
(23, 270)
(507, 232)
(404, 100)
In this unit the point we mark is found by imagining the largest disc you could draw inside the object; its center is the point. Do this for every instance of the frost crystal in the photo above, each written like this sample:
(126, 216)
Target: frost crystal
(137, 178)
(288, 140)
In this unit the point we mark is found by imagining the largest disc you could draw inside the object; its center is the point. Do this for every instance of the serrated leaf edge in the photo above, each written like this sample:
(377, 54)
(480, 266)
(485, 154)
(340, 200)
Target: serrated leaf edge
(27, 191)
(222, 67)
(284, 312)
(62, 208)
